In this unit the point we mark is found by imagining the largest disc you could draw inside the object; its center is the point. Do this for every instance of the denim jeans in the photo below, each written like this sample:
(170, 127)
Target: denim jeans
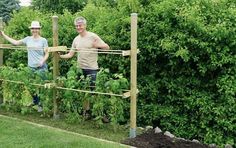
(91, 73)
(41, 71)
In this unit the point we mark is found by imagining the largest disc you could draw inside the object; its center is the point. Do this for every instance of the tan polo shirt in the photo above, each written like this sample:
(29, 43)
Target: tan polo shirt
(86, 60)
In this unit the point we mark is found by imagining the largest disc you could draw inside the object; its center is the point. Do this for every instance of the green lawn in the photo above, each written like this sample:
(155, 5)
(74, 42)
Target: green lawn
(86, 128)
(19, 133)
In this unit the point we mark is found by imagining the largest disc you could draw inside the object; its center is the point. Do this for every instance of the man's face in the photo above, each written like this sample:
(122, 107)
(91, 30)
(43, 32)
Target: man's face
(80, 27)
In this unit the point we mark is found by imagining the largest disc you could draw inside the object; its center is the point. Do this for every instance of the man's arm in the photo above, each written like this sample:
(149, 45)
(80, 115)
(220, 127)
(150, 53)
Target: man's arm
(99, 43)
(70, 54)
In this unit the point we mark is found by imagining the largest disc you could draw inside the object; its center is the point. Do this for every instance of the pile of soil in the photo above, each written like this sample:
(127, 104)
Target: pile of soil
(150, 139)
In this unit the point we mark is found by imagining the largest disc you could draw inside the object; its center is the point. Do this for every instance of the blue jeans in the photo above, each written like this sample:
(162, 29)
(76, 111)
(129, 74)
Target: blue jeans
(41, 71)
(92, 74)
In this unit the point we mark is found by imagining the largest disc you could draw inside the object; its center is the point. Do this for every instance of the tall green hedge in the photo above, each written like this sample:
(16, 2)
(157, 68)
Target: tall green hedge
(189, 86)
(187, 63)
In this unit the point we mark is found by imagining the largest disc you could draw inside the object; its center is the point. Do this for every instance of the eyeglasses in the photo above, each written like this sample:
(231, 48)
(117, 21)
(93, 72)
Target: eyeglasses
(34, 28)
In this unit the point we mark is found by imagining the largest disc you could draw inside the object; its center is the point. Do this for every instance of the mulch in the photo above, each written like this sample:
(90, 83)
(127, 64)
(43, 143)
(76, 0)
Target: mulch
(150, 139)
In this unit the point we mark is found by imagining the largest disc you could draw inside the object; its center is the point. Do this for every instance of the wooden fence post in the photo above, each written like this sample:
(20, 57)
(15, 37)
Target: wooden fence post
(1, 60)
(55, 65)
(1, 41)
(133, 75)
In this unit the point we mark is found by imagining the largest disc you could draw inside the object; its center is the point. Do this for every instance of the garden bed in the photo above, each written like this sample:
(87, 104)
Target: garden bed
(150, 139)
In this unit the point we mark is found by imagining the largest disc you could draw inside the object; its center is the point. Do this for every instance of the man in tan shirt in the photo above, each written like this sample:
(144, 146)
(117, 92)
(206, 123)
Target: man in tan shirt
(82, 43)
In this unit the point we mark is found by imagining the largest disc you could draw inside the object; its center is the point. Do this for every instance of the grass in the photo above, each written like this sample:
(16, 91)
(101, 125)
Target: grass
(19, 133)
(87, 127)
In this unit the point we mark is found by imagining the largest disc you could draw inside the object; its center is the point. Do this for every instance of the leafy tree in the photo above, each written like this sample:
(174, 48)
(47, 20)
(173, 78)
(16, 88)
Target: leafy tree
(110, 3)
(73, 6)
(7, 7)
(58, 6)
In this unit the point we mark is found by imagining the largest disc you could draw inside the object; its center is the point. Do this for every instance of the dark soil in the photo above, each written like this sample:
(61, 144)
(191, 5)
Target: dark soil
(152, 140)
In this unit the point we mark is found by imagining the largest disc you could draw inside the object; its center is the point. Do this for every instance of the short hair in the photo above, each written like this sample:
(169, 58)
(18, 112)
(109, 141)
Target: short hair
(80, 20)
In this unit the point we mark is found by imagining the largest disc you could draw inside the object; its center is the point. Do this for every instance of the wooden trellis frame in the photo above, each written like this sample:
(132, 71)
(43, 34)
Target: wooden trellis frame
(133, 74)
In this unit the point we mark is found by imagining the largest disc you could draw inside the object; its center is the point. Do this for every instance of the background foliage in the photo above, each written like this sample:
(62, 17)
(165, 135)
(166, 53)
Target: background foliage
(7, 7)
(57, 6)
(187, 64)
(191, 55)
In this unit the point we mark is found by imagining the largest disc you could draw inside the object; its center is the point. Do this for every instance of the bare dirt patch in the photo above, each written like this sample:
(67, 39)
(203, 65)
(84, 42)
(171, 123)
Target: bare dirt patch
(150, 139)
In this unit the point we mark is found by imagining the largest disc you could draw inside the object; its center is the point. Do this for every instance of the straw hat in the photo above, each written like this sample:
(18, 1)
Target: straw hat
(35, 24)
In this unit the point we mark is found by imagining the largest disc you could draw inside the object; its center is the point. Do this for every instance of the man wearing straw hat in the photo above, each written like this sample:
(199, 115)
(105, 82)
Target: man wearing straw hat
(85, 44)
(37, 56)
